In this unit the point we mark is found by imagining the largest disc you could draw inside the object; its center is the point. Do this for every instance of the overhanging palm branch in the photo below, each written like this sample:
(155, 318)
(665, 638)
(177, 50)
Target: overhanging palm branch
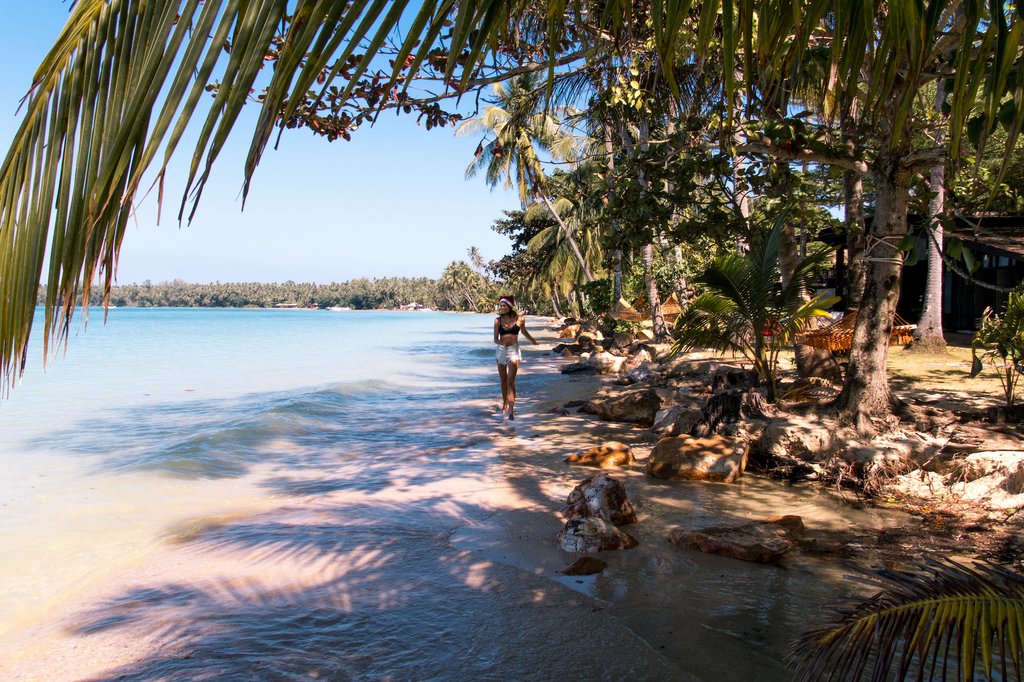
(943, 617)
(746, 309)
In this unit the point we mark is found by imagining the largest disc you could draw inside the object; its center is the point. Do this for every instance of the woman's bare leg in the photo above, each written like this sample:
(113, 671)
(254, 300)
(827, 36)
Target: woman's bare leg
(513, 369)
(503, 373)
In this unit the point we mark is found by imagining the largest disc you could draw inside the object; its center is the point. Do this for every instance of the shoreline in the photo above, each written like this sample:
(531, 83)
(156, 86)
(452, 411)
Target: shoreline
(467, 562)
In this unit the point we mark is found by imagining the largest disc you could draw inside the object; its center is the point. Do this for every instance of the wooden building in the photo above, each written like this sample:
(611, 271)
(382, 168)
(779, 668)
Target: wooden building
(997, 242)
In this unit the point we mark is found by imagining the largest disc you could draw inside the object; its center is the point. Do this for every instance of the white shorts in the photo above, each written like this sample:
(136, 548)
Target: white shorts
(507, 354)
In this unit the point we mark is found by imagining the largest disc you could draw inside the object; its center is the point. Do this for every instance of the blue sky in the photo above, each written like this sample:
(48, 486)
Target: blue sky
(393, 201)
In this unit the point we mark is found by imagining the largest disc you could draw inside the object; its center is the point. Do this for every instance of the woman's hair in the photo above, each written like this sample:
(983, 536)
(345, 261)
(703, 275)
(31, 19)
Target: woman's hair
(509, 301)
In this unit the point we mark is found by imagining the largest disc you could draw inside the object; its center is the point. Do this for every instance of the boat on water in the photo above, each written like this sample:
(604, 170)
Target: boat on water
(338, 308)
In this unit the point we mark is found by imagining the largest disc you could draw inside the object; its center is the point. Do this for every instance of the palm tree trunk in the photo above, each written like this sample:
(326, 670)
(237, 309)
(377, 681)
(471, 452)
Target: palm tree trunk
(853, 196)
(740, 195)
(554, 301)
(653, 297)
(673, 253)
(929, 327)
(569, 238)
(810, 361)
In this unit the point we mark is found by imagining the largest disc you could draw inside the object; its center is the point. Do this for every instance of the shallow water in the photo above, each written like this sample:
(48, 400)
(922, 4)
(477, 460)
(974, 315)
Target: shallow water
(303, 494)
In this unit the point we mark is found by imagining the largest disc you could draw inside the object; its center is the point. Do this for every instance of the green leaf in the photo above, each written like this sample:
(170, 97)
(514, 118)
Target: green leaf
(976, 129)
(954, 247)
(972, 263)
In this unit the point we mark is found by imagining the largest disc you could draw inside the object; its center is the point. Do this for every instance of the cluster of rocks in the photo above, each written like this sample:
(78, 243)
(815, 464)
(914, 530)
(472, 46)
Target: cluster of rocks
(599, 505)
(711, 423)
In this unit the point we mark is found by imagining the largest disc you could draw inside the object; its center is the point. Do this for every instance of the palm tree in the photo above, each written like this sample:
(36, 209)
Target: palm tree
(519, 134)
(747, 309)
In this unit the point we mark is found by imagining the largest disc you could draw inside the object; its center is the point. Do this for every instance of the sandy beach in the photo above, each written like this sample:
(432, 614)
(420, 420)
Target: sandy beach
(435, 576)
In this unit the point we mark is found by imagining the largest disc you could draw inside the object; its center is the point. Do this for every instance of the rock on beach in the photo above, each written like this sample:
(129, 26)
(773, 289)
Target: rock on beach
(612, 453)
(714, 458)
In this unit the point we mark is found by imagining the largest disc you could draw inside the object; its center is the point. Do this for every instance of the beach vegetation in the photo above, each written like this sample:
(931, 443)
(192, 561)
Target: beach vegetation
(1000, 345)
(937, 621)
(746, 308)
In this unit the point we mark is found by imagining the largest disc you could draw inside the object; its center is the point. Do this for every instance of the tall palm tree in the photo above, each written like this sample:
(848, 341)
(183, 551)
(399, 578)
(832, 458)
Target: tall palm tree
(521, 130)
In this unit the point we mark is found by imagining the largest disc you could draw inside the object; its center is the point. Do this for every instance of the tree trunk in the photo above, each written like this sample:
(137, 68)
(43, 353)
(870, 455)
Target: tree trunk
(554, 301)
(609, 149)
(853, 194)
(674, 254)
(653, 298)
(865, 392)
(739, 188)
(929, 327)
(810, 361)
(616, 277)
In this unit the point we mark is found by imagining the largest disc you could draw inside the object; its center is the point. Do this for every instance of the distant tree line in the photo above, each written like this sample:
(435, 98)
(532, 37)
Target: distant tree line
(360, 294)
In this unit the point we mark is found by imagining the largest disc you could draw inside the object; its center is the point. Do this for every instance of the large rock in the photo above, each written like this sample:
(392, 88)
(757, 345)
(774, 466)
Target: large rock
(641, 375)
(610, 454)
(796, 447)
(580, 368)
(714, 458)
(603, 497)
(606, 363)
(569, 332)
(635, 360)
(760, 542)
(633, 405)
(622, 340)
(676, 420)
(1000, 485)
(585, 534)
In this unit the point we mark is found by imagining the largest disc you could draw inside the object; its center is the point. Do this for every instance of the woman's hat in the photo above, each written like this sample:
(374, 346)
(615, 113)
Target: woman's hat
(509, 301)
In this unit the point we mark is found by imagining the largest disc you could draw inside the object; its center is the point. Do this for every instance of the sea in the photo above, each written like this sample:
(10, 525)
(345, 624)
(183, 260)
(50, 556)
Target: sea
(157, 415)
(247, 494)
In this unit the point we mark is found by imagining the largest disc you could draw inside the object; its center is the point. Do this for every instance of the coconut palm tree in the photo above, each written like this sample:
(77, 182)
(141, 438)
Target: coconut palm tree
(520, 131)
(747, 309)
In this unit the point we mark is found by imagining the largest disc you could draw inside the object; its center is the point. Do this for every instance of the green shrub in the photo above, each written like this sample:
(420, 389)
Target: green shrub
(1000, 344)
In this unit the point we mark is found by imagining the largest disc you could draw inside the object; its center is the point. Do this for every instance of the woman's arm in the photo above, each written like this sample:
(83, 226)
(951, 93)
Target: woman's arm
(495, 330)
(522, 328)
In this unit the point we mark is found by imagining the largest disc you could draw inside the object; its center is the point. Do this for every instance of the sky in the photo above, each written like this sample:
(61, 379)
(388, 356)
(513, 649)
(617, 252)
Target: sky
(392, 202)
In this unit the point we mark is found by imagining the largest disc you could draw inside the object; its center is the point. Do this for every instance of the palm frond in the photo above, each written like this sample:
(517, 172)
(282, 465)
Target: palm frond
(941, 615)
(711, 321)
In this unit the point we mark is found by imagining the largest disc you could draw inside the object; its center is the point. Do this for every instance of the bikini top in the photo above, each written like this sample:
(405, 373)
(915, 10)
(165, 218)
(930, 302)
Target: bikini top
(502, 329)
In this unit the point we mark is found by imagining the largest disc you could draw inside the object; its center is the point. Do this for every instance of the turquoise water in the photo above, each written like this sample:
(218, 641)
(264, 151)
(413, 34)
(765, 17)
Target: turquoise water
(163, 414)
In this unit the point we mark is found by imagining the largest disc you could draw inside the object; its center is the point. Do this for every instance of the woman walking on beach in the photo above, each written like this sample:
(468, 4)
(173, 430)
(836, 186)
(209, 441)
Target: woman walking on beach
(507, 327)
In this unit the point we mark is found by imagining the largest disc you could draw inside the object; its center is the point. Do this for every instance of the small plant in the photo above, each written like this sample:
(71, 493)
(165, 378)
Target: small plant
(746, 309)
(1000, 344)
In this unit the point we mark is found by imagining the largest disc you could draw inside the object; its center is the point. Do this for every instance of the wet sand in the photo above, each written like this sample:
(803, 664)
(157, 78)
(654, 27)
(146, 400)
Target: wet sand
(449, 572)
